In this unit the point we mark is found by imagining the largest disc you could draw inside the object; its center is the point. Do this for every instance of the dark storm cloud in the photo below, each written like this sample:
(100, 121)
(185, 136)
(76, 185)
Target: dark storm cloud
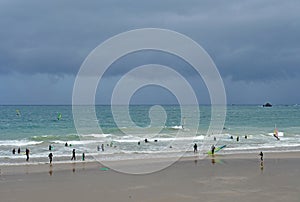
(248, 40)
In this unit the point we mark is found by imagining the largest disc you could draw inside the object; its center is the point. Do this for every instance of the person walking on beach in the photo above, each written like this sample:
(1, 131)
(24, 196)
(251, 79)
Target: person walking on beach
(261, 156)
(27, 154)
(73, 155)
(213, 149)
(50, 157)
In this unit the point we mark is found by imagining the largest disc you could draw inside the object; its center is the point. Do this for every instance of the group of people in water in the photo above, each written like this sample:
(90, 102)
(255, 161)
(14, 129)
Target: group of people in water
(19, 152)
(50, 156)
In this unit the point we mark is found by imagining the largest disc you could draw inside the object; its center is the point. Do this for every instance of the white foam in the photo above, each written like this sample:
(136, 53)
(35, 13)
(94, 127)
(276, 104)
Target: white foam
(280, 134)
(18, 142)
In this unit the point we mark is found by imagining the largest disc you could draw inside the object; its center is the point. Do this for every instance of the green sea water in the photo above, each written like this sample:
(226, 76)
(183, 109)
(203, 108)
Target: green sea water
(36, 127)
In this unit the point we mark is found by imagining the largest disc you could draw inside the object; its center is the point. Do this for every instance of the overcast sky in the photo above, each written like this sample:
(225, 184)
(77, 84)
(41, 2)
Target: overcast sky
(255, 45)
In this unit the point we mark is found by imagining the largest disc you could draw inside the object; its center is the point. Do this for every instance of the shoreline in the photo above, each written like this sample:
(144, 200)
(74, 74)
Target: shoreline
(93, 164)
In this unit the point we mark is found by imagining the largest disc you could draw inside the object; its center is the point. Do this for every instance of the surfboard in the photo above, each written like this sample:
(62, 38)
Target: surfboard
(217, 149)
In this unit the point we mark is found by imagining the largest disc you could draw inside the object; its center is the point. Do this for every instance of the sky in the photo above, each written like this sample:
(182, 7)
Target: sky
(255, 45)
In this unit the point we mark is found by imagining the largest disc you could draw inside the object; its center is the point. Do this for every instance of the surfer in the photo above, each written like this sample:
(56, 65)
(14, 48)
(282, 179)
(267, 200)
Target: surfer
(276, 136)
(195, 148)
(27, 154)
(213, 149)
(73, 155)
(50, 157)
(261, 156)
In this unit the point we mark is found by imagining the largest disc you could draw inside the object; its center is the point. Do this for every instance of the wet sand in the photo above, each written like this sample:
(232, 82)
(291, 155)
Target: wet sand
(239, 177)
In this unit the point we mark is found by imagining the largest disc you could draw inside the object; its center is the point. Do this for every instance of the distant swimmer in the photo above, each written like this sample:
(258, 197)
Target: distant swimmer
(246, 136)
(213, 149)
(27, 154)
(195, 148)
(261, 156)
(50, 147)
(66, 144)
(155, 140)
(73, 155)
(237, 138)
(215, 139)
(231, 137)
(50, 156)
(139, 143)
(146, 140)
(14, 151)
(19, 150)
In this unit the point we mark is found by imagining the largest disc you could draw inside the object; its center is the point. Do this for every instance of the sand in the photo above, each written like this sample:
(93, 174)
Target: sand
(225, 178)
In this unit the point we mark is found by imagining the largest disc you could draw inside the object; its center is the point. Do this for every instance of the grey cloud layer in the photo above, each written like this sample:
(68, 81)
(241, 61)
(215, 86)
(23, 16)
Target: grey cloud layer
(248, 40)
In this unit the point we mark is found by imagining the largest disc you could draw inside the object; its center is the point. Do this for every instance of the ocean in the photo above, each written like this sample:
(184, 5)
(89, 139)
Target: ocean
(37, 127)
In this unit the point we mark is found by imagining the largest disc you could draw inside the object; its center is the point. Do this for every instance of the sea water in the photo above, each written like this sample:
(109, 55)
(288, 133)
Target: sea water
(37, 127)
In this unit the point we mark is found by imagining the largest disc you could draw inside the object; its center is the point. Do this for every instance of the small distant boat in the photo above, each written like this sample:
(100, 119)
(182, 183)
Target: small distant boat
(18, 113)
(267, 104)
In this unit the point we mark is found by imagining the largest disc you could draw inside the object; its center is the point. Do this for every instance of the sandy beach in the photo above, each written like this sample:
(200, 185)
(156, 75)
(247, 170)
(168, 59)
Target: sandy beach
(225, 178)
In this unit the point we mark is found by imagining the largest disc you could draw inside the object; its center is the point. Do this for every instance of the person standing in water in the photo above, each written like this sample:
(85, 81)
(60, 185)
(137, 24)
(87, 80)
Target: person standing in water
(27, 154)
(73, 155)
(83, 156)
(14, 151)
(195, 148)
(19, 150)
(50, 157)
(102, 147)
(213, 149)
